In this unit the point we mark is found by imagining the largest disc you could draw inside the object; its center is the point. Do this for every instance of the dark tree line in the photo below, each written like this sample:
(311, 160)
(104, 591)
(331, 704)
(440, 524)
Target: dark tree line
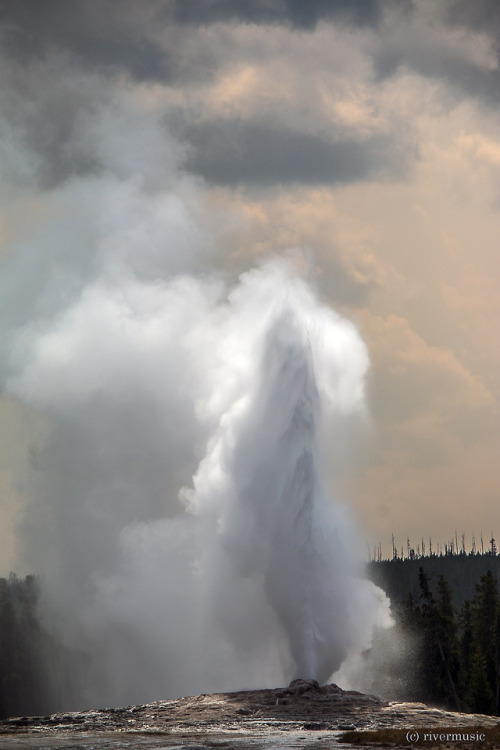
(22, 671)
(459, 665)
(400, 576)
(38, 673)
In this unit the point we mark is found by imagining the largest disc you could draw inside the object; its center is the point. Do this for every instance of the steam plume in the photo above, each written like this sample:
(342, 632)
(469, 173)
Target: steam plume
(175, 505)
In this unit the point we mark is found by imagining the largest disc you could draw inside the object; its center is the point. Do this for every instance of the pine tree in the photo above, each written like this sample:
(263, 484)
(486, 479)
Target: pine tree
(440, 646)
(410, 615)
(466, 650)
(431, 656)
(497, 643)
(485, 610)
(485, 639)
(479, 696)
(447, 640)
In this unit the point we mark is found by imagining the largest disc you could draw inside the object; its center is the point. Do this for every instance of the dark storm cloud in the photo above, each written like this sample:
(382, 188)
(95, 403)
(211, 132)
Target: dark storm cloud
(459, 75)
(148, 39)
(422, 44)
(483, 15)
(296, 13)
(234, 152)
(429, 62)
(101, 33)
(107, 29)
(158, 40)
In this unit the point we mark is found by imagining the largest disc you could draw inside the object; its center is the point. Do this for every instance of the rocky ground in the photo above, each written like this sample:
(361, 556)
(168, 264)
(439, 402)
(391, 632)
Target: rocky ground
(304, 715)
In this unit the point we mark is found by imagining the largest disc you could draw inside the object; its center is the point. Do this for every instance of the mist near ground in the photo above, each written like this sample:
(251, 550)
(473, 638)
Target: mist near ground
(390, 668)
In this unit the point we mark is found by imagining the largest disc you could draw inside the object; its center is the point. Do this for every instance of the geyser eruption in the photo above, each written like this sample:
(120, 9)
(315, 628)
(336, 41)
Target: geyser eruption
(259, 493)
(174, 493)
(255, 578)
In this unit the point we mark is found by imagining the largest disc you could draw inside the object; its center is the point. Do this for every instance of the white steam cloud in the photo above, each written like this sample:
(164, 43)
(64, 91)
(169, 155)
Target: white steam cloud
(176, 508)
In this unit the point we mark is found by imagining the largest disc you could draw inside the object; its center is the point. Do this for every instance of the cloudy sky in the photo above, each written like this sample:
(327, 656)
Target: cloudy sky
(365, 132)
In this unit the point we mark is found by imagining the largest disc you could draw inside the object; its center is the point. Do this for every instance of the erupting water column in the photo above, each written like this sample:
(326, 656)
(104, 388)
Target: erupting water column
(261, 494)
(287, 487)
(261, 580)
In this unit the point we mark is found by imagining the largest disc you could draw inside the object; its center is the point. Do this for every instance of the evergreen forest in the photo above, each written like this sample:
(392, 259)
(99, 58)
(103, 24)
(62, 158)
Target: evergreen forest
(459, 650)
